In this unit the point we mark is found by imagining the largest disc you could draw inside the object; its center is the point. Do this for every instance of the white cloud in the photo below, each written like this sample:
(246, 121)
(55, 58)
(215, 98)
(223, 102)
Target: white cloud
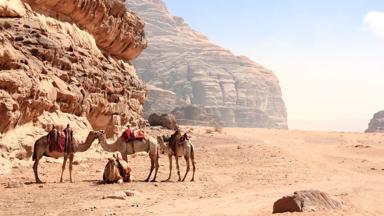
(374, 23)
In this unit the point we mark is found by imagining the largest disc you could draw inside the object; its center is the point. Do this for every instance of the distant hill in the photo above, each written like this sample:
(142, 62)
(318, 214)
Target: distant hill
(377, 123)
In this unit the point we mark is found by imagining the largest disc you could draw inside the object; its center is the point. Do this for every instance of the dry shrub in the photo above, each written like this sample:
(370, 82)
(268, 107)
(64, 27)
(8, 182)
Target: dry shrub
(218, 129)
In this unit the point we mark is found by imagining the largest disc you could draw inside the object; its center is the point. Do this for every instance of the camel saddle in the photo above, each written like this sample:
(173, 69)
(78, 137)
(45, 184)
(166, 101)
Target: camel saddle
(130, 135)
(60, 141)
(56, 140)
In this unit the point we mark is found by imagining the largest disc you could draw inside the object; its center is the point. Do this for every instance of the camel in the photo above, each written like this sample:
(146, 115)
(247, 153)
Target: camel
(148, 144)
(182, 146)
(117, 170)
(41, 148)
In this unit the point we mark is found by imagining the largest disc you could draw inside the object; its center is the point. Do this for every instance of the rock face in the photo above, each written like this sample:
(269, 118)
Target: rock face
(165, 120)
(60, 61)
(196, 115)
(116, 30)
(159, 101)
(377, 123)
(306, 201)
(237, 90)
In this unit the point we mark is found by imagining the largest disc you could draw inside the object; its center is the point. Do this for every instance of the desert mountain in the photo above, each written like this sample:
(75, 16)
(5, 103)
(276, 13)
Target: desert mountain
(61, 65)
(183, 68)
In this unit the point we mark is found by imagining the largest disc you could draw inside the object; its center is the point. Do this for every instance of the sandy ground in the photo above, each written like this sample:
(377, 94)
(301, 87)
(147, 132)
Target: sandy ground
(239, 172)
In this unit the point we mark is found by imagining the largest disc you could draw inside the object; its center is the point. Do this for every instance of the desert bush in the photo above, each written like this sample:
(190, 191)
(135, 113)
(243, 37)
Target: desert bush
(218, 129)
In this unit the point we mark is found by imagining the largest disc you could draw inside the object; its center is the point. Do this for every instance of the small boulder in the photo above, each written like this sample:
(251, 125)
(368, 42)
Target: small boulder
(165, 120)
(306, 201)
(121, 195)
(131, 193)
(15, 185)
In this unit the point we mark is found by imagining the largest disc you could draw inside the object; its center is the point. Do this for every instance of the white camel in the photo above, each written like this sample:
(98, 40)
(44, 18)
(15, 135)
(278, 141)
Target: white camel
(148, 144)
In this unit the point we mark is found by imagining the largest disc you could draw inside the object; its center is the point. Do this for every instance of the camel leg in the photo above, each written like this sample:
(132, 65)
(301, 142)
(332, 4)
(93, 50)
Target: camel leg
(35, 166)
(63, 167)
(170, 168)
(125, 156)
(178, 167)
(193, 169)
(70, 167)
(152, 168)
(187, 162)
(156, 167)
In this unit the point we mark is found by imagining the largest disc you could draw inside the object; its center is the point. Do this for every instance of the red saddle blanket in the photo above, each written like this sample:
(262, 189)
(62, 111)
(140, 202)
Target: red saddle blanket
(56, 141)
(130, 135)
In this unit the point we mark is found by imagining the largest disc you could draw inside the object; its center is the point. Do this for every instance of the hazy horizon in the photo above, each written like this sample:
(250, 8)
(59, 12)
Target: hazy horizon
(327, 55)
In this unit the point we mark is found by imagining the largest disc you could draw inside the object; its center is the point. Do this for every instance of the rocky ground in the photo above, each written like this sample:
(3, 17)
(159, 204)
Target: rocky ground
(239, 172)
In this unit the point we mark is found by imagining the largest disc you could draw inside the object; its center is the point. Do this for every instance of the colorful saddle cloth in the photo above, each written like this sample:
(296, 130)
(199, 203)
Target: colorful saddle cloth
(130, 135)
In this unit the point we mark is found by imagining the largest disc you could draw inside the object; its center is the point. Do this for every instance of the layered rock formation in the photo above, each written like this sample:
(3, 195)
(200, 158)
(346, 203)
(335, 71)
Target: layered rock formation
(237, 90)
(116, 30)
(159, 101)
(377, 123)
(196, 115)
(67, 58)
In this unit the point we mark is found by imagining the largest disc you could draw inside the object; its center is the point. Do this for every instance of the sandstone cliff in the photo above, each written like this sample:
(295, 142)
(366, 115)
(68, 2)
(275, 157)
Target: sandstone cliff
(65, 62)
(237, 90)
(377, 123)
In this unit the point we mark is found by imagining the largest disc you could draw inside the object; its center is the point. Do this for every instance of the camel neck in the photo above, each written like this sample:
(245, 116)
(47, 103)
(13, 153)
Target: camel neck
(86, 145)
(113, 147)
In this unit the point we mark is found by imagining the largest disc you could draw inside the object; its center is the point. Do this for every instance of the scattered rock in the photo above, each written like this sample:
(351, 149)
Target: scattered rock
(305, 201)
(121, 195)
(15, 185)
(131, 193)
(363, 146)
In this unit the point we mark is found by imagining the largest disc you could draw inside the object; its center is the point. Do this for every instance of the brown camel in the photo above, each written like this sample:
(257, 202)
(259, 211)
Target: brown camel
(148, 144)
(41, 149)
(117, 170)
(178, 145)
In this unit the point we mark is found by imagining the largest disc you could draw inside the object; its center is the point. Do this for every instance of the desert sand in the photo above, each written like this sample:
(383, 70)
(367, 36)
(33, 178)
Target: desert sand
(239, 172)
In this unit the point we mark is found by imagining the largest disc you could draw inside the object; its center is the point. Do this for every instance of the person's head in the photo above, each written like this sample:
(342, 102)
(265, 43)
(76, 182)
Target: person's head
(67, 125)
(128, 125)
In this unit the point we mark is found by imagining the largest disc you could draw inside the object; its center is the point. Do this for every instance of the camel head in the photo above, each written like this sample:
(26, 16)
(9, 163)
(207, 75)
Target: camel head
(100, 134)
(164, 143)
(94, 134)
(112, 172)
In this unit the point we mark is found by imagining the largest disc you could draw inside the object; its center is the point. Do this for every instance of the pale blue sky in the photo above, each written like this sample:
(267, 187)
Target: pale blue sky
(330, 65)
